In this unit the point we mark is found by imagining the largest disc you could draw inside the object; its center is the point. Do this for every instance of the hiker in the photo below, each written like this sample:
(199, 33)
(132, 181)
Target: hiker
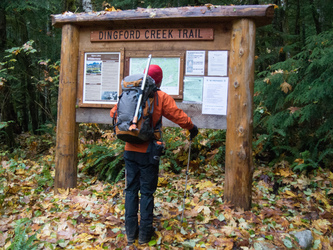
(142, 170)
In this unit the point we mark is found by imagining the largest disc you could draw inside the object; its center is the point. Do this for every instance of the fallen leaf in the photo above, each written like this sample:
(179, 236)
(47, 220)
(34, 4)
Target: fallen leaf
(321, 225)
(289, 193)
(204, 185)
(3, 237)
(330, 175)
(286, 87)
(293, 109)
(162, 181)
(83, 237)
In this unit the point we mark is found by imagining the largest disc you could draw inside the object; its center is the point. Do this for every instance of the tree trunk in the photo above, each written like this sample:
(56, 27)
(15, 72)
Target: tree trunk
(86, 5)
(33, 108)
(315, 16)
(29, 105)
(6, 108)
(23, 102)
(3, 34)
(42, 100)
(8, 114)
(297, 18)
(238, 163)
(134, 4)
(69, 5)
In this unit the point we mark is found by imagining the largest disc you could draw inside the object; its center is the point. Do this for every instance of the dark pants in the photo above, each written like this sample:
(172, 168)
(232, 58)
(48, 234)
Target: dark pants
(143, 176)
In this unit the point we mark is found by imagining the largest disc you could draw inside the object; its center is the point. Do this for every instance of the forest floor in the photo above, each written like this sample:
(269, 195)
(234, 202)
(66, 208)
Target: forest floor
(91, 216)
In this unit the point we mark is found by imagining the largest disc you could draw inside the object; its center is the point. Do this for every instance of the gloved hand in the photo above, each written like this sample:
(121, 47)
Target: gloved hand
(193, 132)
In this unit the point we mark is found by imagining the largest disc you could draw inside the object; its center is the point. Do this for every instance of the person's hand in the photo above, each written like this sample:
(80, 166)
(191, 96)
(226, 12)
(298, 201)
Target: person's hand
(193, 132)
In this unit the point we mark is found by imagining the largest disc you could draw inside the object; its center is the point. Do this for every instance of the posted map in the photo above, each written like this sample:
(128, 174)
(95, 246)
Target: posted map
(170, 67)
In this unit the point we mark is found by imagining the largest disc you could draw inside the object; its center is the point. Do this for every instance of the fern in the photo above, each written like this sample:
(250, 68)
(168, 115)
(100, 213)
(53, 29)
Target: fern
(120, 175)
(104, 161)
(300, 119)
(21, 240)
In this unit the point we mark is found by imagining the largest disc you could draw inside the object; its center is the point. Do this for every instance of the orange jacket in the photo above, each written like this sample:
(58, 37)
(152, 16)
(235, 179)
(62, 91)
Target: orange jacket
(166, 107)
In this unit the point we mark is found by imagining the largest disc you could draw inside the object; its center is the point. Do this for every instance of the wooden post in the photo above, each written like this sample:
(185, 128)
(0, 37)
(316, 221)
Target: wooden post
(67, 129)
(238, 163)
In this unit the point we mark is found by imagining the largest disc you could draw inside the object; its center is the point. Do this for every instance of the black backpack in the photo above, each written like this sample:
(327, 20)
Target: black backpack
(123, 118)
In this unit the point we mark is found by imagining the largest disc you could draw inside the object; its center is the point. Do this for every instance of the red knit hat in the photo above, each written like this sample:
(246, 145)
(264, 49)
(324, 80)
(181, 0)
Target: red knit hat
(156, 73)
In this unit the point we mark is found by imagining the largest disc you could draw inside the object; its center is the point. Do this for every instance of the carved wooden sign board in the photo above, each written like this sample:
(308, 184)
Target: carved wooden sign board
(186, 34)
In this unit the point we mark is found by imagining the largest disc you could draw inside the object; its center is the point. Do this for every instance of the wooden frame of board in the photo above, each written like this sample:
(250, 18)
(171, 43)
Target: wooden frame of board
(80, 92)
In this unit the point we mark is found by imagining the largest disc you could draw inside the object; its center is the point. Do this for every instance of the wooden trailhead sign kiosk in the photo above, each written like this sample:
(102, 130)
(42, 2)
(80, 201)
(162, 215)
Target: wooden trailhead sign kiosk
(207, 57)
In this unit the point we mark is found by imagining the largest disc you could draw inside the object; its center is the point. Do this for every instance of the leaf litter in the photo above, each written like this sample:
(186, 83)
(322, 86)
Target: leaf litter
(91, 216)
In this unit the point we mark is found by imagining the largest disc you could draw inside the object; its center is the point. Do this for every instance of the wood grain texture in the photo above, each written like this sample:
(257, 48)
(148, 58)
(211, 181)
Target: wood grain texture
(102, 116)
(262, 14)
(67, 129)
(238, 163)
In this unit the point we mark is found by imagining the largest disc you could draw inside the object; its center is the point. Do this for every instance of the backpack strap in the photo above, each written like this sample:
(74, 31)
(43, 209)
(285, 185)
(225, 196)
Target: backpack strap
(115, 115)
(156, 96)
(158, 126)
(156, 100)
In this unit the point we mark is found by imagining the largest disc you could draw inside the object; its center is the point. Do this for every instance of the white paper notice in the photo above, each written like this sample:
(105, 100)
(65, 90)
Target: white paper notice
(215, 95)
(217, 63)
(195, 63)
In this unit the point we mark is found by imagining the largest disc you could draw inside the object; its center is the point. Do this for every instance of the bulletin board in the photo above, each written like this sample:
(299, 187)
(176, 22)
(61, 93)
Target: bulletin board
(186, 77)
(210, 49)
(194, 57)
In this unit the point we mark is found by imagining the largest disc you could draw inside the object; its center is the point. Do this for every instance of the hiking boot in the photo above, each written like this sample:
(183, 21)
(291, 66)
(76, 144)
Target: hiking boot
(131, 240)
(145, 238)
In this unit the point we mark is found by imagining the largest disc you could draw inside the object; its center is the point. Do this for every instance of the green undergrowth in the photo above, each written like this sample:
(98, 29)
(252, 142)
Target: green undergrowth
(103, 157)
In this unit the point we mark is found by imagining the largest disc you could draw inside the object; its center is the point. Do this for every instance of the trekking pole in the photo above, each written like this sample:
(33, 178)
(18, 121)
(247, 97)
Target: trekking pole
(136, 114)
(188, 163)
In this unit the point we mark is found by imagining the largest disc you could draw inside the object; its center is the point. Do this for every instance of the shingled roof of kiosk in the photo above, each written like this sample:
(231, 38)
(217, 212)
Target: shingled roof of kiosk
(261, 14)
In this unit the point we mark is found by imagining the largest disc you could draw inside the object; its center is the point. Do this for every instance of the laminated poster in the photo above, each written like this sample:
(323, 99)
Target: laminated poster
(170, 67)
(101, 77)
(193, 89)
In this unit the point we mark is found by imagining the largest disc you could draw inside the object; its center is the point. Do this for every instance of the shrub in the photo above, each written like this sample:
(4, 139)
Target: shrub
(294, 107)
